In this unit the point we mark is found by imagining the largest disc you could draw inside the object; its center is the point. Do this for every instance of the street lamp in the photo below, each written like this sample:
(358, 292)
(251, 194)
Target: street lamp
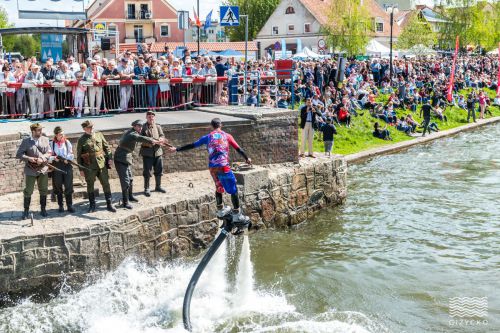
(392, 8)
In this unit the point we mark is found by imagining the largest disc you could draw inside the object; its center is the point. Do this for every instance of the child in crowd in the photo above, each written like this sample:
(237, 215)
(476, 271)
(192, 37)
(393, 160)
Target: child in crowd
(381, 133)
(328, 129)
(79, 95)
(223, 97)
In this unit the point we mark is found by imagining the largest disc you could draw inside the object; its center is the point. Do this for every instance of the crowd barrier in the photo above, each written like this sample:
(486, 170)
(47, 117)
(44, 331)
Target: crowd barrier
(81, 98)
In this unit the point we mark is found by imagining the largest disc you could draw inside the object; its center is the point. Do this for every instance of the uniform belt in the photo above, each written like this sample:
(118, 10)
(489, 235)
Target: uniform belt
(126, 149)
(147, 145)
(99, 153)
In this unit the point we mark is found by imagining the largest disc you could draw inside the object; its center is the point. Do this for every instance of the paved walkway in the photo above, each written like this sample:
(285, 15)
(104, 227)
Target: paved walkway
(118, 121)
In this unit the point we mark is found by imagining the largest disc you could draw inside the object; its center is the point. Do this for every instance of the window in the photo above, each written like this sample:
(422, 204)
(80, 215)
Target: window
(379, 27)
(139, 37)
(131, 11)
(275, 30)
(290, 10)
(307, 27)
(291, 27)
(112, 29)
(164, 30)
(210, 31)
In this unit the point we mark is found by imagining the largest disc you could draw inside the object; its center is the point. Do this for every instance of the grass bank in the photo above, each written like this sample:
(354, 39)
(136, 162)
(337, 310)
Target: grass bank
(359, 136)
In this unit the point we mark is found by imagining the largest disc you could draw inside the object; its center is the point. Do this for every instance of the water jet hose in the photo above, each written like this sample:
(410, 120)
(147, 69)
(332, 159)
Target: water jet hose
(226, 230)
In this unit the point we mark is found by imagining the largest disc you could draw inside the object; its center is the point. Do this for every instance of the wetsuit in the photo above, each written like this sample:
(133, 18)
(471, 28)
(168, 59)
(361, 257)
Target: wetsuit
(218, 143)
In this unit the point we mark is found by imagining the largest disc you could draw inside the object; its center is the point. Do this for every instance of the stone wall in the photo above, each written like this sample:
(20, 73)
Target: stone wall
(272, 138)
(275, 196)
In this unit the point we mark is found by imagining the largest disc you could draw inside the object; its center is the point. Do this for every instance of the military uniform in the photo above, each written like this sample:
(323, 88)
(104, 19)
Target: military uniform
(152, 156)
(123, 161)
(94, 153)
(35, 148)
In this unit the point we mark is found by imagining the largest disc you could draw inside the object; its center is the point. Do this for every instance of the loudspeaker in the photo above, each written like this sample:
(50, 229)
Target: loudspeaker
(105, 44)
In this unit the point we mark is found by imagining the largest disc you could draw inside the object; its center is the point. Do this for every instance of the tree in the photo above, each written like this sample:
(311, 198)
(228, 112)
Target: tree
(27, 45)
(416, 32)
(349, 25)
(258, 12)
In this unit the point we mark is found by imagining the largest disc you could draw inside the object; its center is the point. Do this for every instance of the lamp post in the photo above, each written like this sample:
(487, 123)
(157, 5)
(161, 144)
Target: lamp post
(390, 42)
(198, 9)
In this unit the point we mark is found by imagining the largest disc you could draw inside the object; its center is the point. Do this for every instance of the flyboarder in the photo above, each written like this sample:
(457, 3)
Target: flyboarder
(218, 143)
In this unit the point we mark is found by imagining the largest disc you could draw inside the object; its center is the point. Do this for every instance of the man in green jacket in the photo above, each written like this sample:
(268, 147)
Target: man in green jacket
(123, 159)
(93, 152)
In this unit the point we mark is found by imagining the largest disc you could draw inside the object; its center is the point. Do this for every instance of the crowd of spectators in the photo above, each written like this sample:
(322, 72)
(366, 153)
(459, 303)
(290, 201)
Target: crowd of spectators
(327, 95)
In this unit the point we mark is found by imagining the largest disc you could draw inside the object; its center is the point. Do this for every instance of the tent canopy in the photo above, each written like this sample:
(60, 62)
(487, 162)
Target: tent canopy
(230, 53)
(307, 53)
(375, 47)
(495, 51)
(421, 50)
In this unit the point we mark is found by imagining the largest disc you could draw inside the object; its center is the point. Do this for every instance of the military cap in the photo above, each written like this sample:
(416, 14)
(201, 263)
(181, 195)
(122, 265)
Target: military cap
(87, 123)
(58, 129)
(35, 126)
(150, 112)
(137, 123)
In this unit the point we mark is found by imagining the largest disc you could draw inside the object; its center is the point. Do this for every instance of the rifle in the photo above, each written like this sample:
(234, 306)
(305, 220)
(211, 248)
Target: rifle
(37, 167)
(72, 163)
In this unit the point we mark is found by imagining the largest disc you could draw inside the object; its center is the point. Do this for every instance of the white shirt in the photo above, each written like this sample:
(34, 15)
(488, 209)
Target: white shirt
(64, 150)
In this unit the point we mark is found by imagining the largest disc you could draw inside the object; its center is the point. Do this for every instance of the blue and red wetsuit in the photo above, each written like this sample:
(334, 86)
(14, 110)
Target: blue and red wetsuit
(218, 143)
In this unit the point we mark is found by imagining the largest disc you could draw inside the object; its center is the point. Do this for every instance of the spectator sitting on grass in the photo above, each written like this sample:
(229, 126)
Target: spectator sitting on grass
(328, 129)
(343, 116)
(439, 113)
(402, 126)
(412, 122)
(496, 101)
(381, 133)
(461, 102)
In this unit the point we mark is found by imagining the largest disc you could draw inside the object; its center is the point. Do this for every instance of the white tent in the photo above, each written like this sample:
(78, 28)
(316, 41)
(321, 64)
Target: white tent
(495, 51)
(376, 48)
(307, 53)
(421, 50)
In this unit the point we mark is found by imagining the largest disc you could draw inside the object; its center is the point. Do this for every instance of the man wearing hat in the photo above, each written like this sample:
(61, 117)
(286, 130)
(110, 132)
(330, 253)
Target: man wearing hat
(35, 152)
(126, 72)
(152, 154)
(123, 159)
(62, 150)
(93, 152)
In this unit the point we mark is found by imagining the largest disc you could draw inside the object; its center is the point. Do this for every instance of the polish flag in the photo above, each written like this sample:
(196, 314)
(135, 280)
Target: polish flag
(196, 19)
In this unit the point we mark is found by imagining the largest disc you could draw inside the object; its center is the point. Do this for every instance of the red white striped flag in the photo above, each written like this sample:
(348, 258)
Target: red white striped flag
(452, 77)
(196, 18)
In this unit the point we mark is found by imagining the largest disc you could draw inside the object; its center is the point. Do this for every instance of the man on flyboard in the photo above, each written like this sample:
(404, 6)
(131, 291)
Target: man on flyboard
(218, 143)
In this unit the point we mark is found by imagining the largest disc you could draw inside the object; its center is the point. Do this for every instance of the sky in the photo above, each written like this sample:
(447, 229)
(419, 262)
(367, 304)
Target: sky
(11, 7)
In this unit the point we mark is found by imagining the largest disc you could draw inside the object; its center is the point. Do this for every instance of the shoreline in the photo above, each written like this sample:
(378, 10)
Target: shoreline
(403, 145)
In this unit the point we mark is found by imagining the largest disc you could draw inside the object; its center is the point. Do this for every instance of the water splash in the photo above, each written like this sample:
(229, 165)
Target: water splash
(137, 298)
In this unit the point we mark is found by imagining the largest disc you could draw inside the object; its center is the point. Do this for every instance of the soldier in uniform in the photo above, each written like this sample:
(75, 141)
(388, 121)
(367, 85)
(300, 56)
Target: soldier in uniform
(123, 159)
(35, 152)
(94, 153)
(152, 154)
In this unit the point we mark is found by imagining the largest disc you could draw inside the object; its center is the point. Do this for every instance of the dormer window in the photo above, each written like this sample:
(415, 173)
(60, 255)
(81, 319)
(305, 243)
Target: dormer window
(290, 10)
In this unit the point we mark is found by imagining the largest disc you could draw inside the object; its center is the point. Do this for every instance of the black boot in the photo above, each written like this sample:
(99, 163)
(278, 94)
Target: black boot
(60, 203)
(131, 197)
(69, 203)
(43, 205)
(158, 187)
(91, 202)
(109, 204)
(125, 204)
(146, 187)
(26, 212)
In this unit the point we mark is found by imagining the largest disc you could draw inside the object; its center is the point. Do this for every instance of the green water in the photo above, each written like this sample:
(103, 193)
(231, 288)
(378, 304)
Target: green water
(418, 228)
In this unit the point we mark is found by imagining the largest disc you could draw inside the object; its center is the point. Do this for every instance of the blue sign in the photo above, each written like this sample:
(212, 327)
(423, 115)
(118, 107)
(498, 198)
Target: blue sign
(229, 16)
(51, 47)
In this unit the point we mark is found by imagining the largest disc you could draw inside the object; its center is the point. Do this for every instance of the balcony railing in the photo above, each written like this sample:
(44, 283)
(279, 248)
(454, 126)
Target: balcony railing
(139, 15)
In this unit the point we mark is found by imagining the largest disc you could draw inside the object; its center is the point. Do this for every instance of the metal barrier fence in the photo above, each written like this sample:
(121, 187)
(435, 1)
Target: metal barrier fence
(265, 90)
(80, 98)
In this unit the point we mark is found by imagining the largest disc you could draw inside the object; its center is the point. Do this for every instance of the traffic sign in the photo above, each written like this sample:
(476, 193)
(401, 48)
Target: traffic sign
(321, 43)
(229, 16)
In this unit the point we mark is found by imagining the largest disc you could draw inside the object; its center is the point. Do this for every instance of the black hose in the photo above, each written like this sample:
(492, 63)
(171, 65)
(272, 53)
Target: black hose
(197, 273)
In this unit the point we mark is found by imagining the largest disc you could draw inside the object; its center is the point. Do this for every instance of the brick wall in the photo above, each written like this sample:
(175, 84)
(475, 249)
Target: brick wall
(275, 196)
(266, 140)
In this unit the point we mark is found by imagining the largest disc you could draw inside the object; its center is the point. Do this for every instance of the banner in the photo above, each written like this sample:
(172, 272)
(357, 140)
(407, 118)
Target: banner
(208, 21)
(449, 97)
(52, 47)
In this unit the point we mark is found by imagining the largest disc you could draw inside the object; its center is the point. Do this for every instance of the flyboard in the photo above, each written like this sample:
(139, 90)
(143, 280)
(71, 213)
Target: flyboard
(228, 227)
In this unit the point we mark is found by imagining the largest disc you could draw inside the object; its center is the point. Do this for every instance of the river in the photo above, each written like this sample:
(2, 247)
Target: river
(419, 229)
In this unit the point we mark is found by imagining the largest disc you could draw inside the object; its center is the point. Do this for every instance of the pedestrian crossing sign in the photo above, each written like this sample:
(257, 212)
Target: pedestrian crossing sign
(229, 16)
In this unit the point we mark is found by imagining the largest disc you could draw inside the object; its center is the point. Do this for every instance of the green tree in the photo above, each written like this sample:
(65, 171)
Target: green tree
(258, 12)
(349, 27)
(27, 45)
(417, 31)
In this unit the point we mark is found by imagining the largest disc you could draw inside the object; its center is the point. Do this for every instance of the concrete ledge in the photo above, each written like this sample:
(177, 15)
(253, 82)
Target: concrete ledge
(394, 148)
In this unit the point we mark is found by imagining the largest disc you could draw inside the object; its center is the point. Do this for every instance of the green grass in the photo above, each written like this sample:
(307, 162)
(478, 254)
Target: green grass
(359, 136)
